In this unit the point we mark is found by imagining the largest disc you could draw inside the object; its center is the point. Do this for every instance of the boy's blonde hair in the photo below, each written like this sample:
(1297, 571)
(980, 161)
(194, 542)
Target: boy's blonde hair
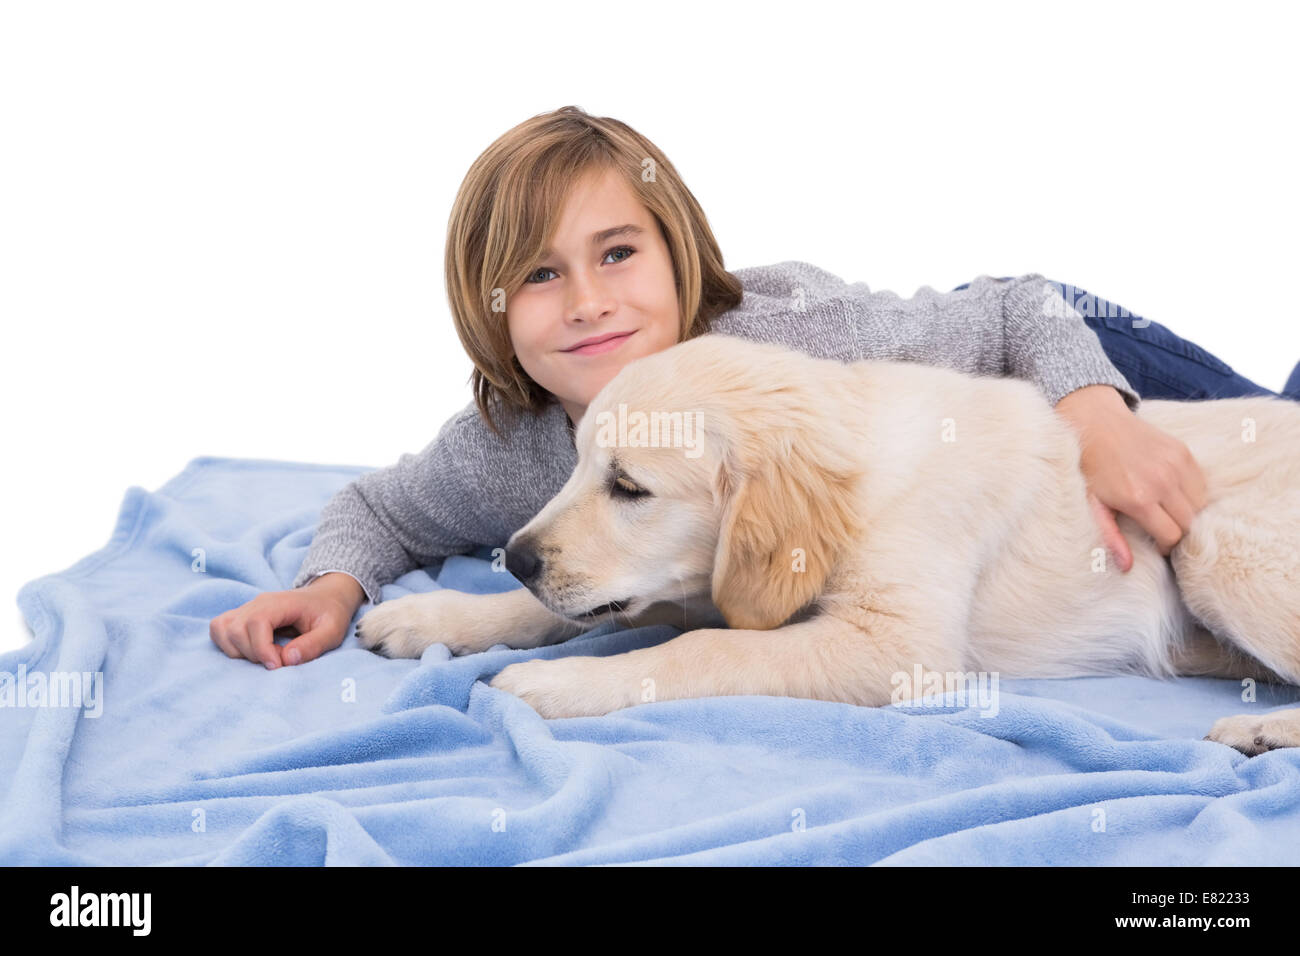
(504, 217)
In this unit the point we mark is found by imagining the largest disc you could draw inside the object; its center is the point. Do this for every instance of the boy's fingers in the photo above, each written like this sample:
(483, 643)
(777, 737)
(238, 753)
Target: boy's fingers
(307, 647)
(262, 649)
(252, 636)
(1181, 510)
(1192, 482)
(1111, 536)
(218, 635)
(1158, 523)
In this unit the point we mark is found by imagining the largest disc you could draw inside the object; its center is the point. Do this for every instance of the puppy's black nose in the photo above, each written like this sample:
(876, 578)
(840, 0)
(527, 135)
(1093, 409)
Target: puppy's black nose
(523, 563)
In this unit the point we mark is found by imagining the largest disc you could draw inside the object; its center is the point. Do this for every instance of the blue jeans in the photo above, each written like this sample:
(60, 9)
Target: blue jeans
(1156, 362)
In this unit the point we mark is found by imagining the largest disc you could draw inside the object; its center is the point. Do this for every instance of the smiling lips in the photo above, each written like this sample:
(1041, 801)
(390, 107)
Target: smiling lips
(601, 343)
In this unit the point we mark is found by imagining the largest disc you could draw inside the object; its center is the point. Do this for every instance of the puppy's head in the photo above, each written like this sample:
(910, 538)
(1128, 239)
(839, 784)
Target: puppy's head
(719, 466)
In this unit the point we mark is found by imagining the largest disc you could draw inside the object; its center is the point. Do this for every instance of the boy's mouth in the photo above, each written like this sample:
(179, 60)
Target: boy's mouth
(600, 343)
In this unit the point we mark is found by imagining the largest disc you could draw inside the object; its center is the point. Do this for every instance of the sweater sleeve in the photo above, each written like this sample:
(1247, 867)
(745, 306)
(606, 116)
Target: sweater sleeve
(1020, 327)
(395, 519)
(1047, 342)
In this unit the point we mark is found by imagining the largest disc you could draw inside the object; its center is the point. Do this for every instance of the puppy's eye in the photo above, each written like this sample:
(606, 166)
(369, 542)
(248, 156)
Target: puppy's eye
(624, 487)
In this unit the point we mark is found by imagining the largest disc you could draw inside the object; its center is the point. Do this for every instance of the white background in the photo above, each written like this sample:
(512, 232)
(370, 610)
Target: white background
(222, 224)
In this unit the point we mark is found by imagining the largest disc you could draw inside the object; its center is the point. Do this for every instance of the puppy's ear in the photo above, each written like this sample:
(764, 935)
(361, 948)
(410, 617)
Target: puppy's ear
(787, 513)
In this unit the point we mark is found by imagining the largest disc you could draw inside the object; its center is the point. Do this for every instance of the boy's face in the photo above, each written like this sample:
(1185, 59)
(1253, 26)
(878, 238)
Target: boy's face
(584, 288)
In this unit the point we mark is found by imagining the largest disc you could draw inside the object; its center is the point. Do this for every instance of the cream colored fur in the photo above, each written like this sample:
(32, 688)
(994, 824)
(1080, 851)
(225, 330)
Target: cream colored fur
(849, 522)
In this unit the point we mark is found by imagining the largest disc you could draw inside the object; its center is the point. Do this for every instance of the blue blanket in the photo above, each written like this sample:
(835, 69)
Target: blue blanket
(184, 756)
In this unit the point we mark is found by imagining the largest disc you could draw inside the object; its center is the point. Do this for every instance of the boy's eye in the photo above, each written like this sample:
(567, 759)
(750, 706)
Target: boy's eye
(543, 270)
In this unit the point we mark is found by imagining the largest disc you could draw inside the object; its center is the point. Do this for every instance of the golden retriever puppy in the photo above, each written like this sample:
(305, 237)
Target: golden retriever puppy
(857, 531)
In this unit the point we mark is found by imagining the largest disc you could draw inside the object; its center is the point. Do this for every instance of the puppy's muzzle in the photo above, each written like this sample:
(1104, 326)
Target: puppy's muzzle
(524, 563)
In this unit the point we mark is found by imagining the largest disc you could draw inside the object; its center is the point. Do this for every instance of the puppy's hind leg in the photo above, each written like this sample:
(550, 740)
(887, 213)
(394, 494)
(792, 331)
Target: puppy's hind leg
(1256, 733)
(1242, 579)
(1204, 656)
(1240, 576)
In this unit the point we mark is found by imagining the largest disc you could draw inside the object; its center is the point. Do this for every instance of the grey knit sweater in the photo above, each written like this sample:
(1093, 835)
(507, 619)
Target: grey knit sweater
(468, 488)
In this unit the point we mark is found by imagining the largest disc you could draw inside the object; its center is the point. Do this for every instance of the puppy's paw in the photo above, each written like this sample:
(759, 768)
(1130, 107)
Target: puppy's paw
(394, 629)
(1254, 735)
(405, 626)
(568, 686)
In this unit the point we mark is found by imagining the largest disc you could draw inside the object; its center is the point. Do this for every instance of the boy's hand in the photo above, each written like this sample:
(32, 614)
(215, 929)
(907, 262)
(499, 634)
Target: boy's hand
(321, 613)
(1133, 467)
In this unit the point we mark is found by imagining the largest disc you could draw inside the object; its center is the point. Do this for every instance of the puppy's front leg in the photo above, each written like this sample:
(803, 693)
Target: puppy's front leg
(822, 658)
(466, 623)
